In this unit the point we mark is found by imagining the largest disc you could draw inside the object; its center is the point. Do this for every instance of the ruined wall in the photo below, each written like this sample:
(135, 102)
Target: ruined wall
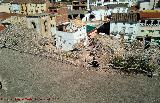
(62, 15)
(45, 26)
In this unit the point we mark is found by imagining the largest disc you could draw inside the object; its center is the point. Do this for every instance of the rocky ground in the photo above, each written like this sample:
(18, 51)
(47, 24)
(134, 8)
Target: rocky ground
(25, 75)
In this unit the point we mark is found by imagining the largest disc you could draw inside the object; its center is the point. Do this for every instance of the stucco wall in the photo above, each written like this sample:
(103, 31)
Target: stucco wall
(53, 25)
(146, 6)
(67, 40)
(15, 8)
(23, 9)
(37, 23)
(5, 7)
(45, 24)
(128, 29)
(32, 8)
(41, 23)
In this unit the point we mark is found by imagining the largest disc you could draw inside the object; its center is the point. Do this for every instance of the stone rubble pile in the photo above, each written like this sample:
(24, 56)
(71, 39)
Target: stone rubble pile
(21, 38)
(18, 37)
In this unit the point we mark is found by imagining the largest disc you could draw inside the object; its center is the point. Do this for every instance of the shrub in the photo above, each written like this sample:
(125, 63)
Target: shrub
(134, 64)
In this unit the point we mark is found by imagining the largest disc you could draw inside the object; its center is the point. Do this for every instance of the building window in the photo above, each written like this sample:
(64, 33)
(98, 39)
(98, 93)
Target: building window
(64, 41)
(149, 22)
(142, 21)
(151, 31)
(45, 26)
(131, 23)
(142, 30)
(34, 24)
(155, 22)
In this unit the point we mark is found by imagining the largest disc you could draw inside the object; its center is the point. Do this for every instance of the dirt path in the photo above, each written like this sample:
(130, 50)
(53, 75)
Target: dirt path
(29, 76)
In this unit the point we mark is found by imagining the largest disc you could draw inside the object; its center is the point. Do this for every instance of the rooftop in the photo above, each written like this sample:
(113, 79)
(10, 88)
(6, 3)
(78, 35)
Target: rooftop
(4, 15)
(111, 6)
(70, 12)
(23, 1)
(39, 15)
(149, 14)
(78, 22)
(99, 7)
(124, 17)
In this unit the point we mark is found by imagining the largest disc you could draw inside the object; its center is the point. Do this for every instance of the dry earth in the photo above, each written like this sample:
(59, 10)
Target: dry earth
(24, 75)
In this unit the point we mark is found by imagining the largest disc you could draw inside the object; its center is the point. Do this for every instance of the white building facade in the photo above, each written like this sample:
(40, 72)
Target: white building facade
(124, 24)
(67, 39)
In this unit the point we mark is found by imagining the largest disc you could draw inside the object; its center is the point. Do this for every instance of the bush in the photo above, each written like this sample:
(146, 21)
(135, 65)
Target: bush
(134, 64)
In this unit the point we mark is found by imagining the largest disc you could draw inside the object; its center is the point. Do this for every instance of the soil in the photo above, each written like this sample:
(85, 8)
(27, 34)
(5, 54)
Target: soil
(24, 75)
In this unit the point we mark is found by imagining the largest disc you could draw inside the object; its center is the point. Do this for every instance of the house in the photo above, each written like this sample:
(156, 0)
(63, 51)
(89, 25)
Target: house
(37, 6)
(147, 4)
(69, 34)
(117, 8)
(60, 10)
(106, 2)
(5, 4)
(26, 7)
(41, 23)
(15, 7)
(125, 24)
(96, 13)
(53, 24)
(149, 24)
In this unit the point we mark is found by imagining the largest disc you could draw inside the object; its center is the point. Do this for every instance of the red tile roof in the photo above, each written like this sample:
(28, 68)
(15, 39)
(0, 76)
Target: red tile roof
(4, 15)
(24, 1)
(149, 14)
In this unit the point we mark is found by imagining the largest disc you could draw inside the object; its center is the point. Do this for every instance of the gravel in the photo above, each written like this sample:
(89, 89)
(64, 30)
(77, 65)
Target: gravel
(25, 75)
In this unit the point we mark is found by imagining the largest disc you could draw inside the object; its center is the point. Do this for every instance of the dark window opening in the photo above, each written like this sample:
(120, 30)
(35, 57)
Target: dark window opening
(76, 3)
(151, 31)
(34, 25)
(76, 7)
(83, 2)
(55, 10)
(91, 17)
(148, 22)
(45, 26)
(142, 21)
(140, 38)
(36, 11)
(143, 8)
(75, 15)
(82, 16)
(155, 22)
(69, 16)
(106, 0)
